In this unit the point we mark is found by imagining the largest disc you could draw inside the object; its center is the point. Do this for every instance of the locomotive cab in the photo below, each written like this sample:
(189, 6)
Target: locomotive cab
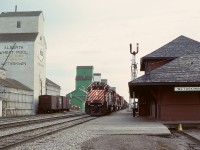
(96, 102)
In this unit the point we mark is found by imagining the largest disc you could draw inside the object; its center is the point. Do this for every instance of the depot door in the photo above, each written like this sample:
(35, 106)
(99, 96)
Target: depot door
(144, 107)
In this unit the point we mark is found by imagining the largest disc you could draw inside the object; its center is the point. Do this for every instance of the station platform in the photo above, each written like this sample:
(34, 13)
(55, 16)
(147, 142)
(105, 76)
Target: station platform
(122, 122)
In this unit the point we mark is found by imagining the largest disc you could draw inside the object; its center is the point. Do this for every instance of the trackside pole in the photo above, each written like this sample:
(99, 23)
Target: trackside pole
(133, 75)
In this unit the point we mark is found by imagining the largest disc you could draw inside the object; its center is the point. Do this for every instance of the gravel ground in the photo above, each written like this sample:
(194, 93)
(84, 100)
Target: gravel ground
(136, 142)
(70, 139)
(82, 138)
(77, 138)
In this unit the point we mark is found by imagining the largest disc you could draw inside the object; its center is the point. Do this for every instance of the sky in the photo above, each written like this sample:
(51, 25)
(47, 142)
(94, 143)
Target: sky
(98, 33)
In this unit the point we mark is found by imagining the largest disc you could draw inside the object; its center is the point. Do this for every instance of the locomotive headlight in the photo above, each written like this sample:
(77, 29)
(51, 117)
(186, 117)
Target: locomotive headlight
(96, 93)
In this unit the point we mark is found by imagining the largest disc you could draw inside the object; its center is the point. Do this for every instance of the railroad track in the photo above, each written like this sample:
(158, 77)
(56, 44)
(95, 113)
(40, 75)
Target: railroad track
(11, 140)
(36, 120)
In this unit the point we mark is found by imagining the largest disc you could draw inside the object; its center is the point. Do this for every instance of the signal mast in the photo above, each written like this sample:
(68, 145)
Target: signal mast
(134, 64)
(133, 68)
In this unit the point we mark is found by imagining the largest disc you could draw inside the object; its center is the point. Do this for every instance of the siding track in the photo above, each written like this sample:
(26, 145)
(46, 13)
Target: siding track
(32, 120)
(13, 139)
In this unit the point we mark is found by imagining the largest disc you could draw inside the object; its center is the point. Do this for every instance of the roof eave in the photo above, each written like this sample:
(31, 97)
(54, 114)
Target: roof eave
(162, 83)
(143, 59)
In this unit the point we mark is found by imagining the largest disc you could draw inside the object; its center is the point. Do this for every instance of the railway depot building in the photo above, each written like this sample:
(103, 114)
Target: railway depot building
(23, 52)
(170, 88)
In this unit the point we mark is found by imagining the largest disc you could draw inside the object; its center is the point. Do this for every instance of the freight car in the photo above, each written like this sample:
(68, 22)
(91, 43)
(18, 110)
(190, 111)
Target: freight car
(101, 99)
(120, 102)
(49, 104)
(125, 105)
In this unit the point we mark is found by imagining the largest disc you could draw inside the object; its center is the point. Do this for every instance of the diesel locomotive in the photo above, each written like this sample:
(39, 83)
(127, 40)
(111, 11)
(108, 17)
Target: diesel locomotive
(102, 99)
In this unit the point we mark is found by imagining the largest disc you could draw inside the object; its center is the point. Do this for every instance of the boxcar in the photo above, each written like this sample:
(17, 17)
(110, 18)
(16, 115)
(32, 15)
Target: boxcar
(49, 103)
(65, 103)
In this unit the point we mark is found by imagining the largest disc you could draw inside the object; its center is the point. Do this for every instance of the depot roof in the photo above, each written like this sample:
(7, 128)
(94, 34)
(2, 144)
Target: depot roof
(184, 69)
(178, 47)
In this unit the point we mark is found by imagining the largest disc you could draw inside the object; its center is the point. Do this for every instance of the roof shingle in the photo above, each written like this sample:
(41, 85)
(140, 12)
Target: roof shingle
(185, 69)
(176, 48)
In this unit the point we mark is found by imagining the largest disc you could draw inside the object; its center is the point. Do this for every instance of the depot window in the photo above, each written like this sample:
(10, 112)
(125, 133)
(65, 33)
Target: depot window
(18, 24)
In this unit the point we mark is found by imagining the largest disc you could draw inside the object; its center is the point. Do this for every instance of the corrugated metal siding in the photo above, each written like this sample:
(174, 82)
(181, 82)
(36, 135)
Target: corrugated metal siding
(52, 90)
(16, 102)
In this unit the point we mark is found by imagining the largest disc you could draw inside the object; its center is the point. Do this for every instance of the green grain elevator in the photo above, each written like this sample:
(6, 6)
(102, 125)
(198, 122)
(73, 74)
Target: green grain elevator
(84, 77)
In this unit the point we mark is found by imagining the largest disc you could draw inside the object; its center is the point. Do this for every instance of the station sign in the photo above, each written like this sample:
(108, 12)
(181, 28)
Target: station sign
(186, 88)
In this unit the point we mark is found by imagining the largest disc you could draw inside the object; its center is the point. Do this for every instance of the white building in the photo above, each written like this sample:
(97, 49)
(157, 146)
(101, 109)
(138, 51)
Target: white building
(52, 88)
(104, 81)
(113, 88)
(15, 98)
(97, 77)
(23, 50)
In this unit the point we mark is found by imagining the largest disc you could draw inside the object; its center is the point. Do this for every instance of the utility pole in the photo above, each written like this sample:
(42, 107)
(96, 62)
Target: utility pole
(133, 73)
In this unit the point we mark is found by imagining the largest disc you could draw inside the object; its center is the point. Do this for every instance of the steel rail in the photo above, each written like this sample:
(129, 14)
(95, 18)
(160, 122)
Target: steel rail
(15, 139)
(31, 121)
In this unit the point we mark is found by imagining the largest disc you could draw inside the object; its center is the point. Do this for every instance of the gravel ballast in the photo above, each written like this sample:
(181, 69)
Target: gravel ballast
(77, 138)
(87, 137)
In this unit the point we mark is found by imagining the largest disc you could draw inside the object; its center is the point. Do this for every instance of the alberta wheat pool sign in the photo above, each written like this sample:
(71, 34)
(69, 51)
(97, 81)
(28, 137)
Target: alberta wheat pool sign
(186, 88)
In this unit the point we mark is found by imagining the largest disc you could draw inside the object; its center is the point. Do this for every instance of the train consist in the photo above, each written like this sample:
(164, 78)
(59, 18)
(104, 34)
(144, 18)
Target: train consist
(102, 99)
(49, 104)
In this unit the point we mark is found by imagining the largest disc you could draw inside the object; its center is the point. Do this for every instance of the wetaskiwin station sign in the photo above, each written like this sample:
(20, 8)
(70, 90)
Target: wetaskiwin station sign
(186, 89)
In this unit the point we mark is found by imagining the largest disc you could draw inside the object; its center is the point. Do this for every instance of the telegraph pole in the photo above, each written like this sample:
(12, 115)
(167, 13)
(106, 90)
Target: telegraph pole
(133, 72)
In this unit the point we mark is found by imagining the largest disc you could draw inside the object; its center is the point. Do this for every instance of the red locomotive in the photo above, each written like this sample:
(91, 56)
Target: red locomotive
(101, 99)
